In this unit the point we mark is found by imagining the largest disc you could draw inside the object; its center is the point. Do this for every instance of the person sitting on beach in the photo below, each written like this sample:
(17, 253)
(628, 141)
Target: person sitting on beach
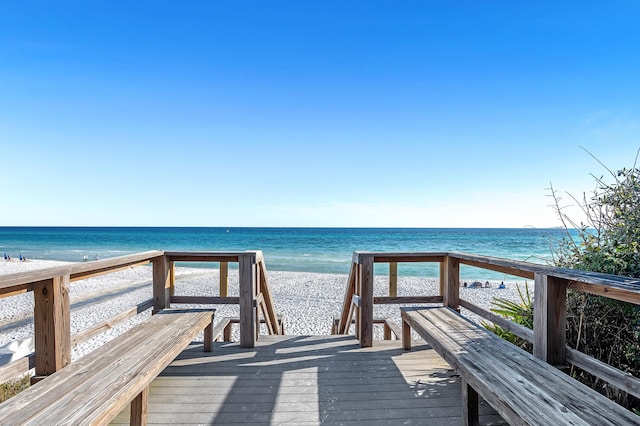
(5, 257)
(20, 258)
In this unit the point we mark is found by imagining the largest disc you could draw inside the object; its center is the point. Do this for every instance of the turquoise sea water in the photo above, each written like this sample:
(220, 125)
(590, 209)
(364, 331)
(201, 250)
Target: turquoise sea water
(324, 250)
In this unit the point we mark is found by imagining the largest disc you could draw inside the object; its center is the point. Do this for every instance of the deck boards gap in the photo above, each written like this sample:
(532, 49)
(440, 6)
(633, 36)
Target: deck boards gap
(307, 381)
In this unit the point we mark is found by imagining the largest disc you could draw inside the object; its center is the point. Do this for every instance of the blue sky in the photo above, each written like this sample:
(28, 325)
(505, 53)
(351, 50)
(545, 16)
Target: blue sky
(337, 113)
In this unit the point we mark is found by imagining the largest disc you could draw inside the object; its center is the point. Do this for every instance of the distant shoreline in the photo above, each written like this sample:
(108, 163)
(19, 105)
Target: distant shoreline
(319, 250)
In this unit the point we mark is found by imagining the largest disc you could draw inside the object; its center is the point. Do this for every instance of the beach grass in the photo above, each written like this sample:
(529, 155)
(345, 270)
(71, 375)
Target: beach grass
(14, 387)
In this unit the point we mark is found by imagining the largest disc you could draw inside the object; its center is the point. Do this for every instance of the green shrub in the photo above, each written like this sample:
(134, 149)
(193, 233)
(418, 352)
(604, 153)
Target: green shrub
(519, 312)
(13, 387)
(608, 242)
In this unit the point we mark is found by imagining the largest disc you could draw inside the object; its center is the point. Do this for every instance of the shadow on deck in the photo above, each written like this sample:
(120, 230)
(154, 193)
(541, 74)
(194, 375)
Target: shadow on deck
(308, 380)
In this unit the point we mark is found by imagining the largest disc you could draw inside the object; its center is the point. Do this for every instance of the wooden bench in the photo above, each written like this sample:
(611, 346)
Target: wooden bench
(523, 389)
(97, 387)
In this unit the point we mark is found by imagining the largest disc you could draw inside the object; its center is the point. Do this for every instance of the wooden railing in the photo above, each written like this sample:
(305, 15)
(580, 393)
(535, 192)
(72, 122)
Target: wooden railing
(254, 293)
(52, 324)
(550, 286)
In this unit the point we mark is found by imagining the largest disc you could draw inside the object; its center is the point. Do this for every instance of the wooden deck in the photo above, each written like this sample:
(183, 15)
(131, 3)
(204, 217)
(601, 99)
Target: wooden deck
(308, 380)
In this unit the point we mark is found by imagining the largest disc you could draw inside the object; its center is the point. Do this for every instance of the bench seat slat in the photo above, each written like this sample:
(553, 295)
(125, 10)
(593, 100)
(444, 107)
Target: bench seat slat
(97, 387)
(523, 389)
(39, 398)
(86, 365)
(493, 363)
(132, 377)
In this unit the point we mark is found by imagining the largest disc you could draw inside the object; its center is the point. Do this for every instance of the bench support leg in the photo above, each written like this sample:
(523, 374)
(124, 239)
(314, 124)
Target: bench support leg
(470, 416)
(406, 336)
(208, 337)
(226, 334)
(139, 409)
(386, 332)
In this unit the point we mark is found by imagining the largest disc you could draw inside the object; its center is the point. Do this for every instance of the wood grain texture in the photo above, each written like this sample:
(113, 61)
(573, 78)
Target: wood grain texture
(219, 328)
(52, 325)
(393, 328)
(507, 266)
(443, 277)
(139, 410)
(406, 334)
(611, 292)
(76, 271)
(208, 337)
(613, 286)
(451, 282)
(308, 381)
(366, 302)
(356, 300)
(161, 283)
(550, 319)
(521, 387)
(109, 268)
(393, 279)
(172, 279)
(82, 270)
(224, 279)
(269, 305)
(98, 386)
(226, 334)
(386, 332)
(618, 378)
(491, 266)
(248, 314)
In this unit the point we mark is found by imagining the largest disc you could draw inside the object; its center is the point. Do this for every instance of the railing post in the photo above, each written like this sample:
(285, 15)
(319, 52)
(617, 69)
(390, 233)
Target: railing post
(255, 304)
(357, 308)
(393, 279)
(442, 279)
(451, 282)
(52, 325)
(161, 283)
(224, 279)
(366, 301)
(172, 278)
(550, 319)
(247, 281)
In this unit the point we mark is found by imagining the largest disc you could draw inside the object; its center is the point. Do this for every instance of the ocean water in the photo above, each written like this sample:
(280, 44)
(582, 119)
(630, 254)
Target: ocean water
(322, 250)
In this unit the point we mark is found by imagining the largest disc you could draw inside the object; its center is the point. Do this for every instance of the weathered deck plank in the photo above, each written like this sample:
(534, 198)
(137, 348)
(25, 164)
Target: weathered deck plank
(307, 380)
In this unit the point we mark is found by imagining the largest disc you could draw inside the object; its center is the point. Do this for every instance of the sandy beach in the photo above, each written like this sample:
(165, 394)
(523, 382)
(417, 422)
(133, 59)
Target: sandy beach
(308, 300)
